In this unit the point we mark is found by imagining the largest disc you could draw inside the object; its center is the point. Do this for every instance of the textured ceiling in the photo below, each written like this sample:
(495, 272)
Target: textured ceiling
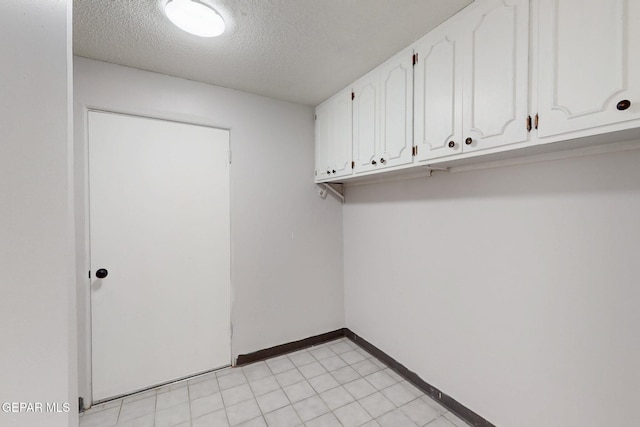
(298, 50)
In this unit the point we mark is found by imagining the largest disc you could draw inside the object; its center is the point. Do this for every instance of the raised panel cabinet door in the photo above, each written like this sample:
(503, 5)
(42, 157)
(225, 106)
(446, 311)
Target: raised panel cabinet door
(365, 123)
(438, 94)
(340, 140)
(588, 64)
(396, 111)
(322, 142)
(496, 71)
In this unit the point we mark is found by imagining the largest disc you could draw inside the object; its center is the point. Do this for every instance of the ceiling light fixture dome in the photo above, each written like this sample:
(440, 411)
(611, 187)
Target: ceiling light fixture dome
(195, 17)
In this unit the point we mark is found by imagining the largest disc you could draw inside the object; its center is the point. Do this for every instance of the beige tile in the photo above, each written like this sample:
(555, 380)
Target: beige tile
(299, 391)
(420, 412)
(283, 417)
(242, 412)
(323, 383)
(172, 398)
(398, 394)
(236, 394)
(171, 416)
(273, 400)
(137, 408)
(336, 397)
(352, 415)
(310, 408)
(377, 405)
(264, 385)
(217, 419)
(206, 405)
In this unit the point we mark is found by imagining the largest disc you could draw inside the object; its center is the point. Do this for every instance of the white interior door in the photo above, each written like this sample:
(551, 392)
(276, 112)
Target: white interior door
(159, 215)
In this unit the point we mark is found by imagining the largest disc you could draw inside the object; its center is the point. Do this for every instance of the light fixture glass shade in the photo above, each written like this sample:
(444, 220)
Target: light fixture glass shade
(194, 17)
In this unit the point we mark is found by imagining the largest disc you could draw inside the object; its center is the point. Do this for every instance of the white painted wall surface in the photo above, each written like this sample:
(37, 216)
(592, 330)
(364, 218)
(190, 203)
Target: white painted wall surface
(514, 290)
(37, 303)
(286, 242)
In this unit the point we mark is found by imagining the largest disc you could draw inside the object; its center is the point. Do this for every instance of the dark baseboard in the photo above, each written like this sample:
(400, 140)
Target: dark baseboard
(279, 350)
(447, 401)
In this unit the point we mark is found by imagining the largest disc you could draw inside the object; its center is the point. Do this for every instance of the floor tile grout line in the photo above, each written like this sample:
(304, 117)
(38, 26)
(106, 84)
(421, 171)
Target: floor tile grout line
(306, 381)
(254, 396)
(119, 411)
(188, 404)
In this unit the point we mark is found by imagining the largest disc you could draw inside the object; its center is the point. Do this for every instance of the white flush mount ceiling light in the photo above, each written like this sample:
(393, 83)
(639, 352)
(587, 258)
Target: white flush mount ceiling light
(195, 17)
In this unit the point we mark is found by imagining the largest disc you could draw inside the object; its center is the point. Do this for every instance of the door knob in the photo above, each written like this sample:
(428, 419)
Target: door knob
(623, 105)
(102, 273)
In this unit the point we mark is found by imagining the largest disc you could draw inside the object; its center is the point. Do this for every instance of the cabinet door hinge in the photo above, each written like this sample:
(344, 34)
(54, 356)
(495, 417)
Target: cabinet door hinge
(528, 123)
(415, 59)
(353, 95)
(537, 120)
(414, 151)
(353, 164)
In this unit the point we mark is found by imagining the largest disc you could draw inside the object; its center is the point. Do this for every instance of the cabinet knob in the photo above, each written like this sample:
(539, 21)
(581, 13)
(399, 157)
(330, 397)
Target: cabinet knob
(452, 144)
(328, 172)
(382, 160)
(333, 171)
(101, 273)
(623, 105)
(373, 162)
(468, 141)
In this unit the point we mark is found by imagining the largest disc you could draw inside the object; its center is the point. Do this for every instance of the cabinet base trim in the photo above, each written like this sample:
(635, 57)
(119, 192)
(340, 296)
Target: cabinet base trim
(281, 349)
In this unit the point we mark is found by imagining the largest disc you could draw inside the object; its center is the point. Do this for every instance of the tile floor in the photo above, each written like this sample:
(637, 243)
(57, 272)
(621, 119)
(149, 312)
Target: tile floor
(333, 384)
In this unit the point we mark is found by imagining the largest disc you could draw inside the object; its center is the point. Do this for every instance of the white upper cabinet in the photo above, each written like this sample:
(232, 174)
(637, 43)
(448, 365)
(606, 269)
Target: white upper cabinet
(396, 110)
(383, 114)
(333, 137)
(465, 87)
(366, 126)
(495, 66)
(438, 93)
(471, 80)
(588, 64)
(322, 142)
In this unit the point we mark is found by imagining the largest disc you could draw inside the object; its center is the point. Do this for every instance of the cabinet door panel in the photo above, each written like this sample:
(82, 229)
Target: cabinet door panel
(365, 123)
(396, 111)
(496, 74)
(587, 65)
(437, 96)
(322, 142)
(341, 136)
(333, 137)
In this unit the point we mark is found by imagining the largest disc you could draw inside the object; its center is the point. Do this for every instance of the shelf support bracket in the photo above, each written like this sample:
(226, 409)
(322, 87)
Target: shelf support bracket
(335, 189)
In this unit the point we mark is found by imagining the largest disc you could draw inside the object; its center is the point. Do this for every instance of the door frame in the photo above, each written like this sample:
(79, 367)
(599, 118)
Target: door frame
(80, 169)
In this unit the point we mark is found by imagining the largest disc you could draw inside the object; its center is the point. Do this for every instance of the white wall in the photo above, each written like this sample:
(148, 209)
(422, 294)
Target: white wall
(514, 290)
(37, 303)
(287, 277)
